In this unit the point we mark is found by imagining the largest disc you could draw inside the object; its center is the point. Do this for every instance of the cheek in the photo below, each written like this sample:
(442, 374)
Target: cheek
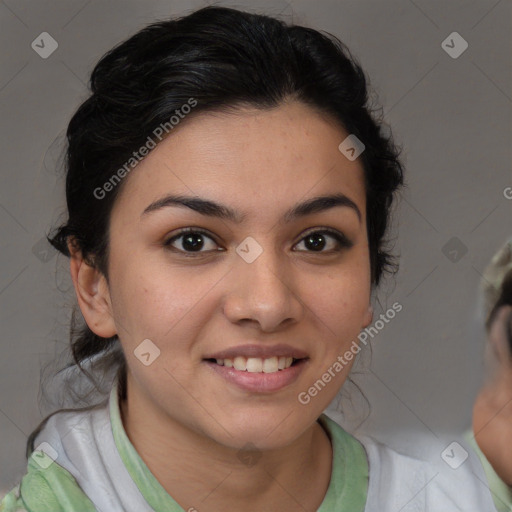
(341, 300)
(167, 306)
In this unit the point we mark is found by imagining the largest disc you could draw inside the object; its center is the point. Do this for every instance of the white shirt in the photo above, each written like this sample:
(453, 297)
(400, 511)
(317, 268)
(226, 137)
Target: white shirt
(397, 483)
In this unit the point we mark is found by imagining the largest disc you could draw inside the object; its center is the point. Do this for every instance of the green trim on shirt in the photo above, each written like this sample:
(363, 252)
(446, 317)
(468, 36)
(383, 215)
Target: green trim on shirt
(347, 488)
(500, 491)
(349, 479)
(48, 487)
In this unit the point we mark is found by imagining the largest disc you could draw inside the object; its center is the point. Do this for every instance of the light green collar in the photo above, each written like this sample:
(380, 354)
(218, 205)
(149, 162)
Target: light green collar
(346, 492)
(501, 493)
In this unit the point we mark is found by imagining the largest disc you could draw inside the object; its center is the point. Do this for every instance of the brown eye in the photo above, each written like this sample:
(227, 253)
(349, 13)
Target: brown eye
(317, 241)
(191, 240)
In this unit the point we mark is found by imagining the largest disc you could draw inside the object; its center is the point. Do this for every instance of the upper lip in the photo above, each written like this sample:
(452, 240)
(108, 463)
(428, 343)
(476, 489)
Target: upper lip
(262, 351)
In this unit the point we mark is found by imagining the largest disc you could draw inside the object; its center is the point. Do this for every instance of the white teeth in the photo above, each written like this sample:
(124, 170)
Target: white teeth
(270, 365)
(254, 365)
(257, 364)
(239, 363)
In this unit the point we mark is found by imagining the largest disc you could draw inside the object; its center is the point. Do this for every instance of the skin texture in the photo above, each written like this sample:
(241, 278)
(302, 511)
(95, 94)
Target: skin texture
(492, 412)
(187, 423)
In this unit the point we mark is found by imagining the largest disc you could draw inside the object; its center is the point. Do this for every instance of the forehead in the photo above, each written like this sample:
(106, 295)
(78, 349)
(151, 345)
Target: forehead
(255, 160)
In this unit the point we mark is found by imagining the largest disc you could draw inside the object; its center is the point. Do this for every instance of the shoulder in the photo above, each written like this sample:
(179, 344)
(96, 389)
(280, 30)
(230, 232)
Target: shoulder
(50, 483)
(11, 502)
(501, 492)
(84, 446)
(46, 487)
(449, 477)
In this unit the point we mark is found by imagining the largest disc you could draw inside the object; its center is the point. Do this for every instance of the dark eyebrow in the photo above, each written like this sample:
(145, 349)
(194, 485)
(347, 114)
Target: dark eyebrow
(213, 209)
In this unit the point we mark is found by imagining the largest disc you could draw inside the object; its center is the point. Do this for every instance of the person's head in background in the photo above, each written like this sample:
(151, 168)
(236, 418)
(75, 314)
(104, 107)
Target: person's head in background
(492, 412)
(258, 110)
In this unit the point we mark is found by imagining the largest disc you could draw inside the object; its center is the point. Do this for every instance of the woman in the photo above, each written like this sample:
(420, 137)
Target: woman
(228, 193)
(492, 413)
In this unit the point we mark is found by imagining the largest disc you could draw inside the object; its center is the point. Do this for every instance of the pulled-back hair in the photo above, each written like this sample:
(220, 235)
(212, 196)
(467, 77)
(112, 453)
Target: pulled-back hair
(224, 59)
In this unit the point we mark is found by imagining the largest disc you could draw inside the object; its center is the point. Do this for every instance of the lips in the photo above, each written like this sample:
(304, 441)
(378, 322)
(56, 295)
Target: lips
(259, 382)
(259, 368)
(258, 358)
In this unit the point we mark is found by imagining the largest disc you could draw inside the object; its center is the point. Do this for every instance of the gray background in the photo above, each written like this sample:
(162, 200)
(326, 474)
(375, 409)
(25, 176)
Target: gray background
(452, 116)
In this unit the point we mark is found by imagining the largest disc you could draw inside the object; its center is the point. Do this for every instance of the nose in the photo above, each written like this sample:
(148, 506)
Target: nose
(263, 292)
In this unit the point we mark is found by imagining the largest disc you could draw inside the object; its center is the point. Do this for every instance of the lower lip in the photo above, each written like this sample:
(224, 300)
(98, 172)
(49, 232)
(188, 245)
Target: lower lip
(260, 382)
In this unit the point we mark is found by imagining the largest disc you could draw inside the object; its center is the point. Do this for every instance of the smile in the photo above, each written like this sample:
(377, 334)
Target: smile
(258, 375)
(257, 364)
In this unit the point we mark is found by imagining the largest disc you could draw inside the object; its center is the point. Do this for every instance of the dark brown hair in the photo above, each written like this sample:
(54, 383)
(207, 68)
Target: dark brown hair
(223, 58)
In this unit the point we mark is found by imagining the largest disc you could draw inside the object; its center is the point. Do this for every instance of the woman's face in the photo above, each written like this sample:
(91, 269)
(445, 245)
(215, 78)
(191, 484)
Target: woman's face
(260, 283)
(492, 411)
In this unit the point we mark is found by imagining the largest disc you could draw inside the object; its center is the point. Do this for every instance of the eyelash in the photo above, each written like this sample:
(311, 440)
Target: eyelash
(343, 241)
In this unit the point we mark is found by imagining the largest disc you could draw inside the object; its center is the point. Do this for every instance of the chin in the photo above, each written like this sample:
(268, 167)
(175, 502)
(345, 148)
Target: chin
(265, 430)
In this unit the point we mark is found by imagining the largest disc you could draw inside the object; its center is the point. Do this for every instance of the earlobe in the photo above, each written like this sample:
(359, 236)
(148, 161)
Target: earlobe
(93, 295)
(368, 317)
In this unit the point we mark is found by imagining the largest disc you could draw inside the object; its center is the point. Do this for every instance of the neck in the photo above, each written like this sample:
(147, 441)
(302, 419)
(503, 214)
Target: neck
(202, 474)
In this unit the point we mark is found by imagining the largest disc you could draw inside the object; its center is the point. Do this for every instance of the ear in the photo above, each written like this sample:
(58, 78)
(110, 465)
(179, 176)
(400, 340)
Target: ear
(93, 295)
(368, 317)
